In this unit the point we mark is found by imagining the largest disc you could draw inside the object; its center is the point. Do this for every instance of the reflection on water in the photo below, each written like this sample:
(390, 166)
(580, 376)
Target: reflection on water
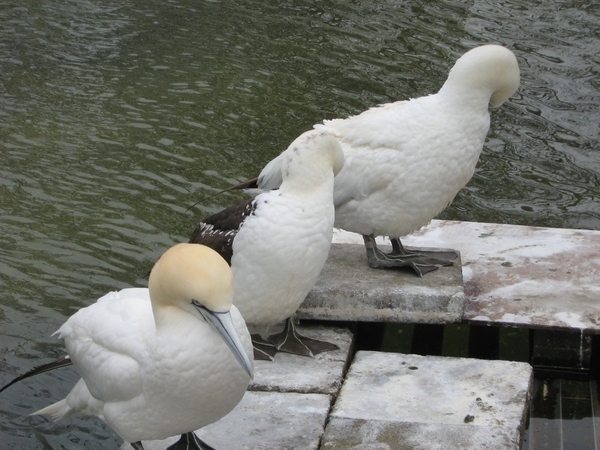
(562, 415)
(116, 116)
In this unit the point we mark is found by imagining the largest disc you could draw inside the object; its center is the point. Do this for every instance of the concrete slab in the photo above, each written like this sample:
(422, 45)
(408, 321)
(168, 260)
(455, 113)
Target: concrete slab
(264, 421)
(348, 290)
(322, 374)
(520, 275)
(397, 401)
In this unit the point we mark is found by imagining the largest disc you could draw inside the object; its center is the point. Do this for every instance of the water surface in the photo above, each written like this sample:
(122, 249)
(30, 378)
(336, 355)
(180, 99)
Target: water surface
(116, 116)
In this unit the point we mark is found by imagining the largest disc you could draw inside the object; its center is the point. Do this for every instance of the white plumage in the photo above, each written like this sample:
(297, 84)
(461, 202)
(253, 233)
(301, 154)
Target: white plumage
(280, 240)
(406, 161)
(162, 361)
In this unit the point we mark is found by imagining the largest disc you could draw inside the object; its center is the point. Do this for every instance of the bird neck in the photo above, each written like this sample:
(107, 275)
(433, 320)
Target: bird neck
(170, 316)
(305, 182)
(305, 173)
(458, 95)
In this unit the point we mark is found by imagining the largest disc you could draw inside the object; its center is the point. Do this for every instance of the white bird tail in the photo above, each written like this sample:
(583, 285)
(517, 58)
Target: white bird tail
(58, 410)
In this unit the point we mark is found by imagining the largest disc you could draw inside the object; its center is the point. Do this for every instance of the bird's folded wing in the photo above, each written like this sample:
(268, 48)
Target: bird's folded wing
(108, 340)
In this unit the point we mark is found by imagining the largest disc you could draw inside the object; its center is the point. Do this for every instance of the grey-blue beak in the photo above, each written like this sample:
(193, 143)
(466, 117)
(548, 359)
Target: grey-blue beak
(223, 323)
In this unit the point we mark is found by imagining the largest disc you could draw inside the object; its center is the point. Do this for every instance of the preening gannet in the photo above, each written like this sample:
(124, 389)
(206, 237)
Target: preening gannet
(406, 161)
(278, 242)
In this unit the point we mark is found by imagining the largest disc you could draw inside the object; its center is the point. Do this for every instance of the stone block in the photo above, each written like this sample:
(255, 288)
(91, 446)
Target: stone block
(322, 374)
(348, 290)
(397, 401)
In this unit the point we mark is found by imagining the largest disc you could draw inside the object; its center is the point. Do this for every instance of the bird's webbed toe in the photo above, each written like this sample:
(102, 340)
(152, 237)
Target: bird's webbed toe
(189, 441)
(263, 350)
(290, 341)
(421, 261)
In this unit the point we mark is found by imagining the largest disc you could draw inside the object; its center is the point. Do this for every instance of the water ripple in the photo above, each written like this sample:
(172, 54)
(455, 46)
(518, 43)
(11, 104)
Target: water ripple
(115, 117)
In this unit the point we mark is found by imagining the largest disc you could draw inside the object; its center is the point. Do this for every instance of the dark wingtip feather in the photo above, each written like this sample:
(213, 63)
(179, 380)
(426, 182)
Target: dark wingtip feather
(60, 362)
(219, 230)
(248, 184)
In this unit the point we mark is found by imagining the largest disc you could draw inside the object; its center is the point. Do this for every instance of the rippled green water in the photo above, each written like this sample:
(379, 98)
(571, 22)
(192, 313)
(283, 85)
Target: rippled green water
(115, 116)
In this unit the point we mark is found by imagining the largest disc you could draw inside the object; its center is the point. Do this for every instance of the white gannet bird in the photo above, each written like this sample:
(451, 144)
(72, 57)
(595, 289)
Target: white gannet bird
(161, 361)
(406, 161)
(278, 242)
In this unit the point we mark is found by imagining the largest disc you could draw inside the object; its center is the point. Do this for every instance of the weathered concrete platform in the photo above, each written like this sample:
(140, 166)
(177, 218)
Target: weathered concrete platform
(323, 374)
(513, 275)
(287, 404)
(396, 401)
(348, 290)
(520, 275)
(387, 400)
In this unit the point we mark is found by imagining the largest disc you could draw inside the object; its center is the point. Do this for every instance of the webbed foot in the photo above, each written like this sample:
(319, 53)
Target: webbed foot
(290, 341)
(420, 261)
(189, 441)
(263, 349)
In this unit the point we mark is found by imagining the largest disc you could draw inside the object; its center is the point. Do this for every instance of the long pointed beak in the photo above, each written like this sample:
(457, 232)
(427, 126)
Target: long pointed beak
(223, 323)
